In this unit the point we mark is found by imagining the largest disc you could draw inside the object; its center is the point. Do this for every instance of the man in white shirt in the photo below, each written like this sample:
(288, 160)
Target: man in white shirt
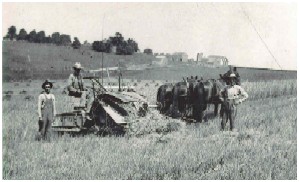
(231, 96)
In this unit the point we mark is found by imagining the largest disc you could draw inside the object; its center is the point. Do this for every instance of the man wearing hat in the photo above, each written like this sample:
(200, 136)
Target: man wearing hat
(77, 89)
(75, 82)
(231, 96)
(46, 111)
(226, 76)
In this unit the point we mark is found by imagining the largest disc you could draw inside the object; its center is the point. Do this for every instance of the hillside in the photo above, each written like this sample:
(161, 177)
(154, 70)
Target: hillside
(23, 60)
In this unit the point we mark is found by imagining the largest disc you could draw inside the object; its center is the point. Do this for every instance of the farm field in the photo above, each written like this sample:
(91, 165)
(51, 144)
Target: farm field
(263, 147)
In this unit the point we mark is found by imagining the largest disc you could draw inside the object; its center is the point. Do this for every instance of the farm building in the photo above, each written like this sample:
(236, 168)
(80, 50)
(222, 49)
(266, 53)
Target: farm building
(199, 56)
(180, 57)
(217, 60)
(211, 60)
(191, 60)
(160, 60)
(203, 61)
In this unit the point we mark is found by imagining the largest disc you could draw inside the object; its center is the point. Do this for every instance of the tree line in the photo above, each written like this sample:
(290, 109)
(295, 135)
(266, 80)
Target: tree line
(41, 37)
(114, 44)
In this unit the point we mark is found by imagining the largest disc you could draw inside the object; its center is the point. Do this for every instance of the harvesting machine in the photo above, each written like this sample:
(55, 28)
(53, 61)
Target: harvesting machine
(113, 111)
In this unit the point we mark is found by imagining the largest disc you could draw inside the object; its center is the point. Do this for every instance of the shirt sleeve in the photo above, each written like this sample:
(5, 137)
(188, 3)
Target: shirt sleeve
(54, 107)
(243, 93)
(39, 105)
(70, 84)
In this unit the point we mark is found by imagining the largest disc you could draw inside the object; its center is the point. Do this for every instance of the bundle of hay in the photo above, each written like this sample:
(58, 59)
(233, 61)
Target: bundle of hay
(153, 122)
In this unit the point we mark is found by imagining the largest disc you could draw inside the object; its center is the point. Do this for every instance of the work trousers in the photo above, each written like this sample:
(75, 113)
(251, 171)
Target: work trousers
(47, 119)
(229, 110)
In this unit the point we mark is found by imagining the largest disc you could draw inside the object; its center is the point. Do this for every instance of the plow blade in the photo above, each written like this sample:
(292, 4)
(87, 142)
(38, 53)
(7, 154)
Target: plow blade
(119, 119)
(66, 129)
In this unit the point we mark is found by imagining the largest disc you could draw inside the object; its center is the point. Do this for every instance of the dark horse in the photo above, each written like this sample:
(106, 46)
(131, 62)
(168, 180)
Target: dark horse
(164, 97)
(179, 99)
(206, 92)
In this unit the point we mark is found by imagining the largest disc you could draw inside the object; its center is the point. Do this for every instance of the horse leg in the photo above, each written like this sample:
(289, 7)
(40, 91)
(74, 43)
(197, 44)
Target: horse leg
(200, 113)
(215, 109)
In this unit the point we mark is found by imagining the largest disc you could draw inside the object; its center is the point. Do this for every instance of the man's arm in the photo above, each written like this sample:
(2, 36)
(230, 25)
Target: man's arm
(243, 93)
(39, 107)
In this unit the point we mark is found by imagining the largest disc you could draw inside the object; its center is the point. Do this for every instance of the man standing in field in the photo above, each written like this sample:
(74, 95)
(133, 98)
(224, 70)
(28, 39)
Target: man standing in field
(78, 91)
(231, 96)
(46, 111)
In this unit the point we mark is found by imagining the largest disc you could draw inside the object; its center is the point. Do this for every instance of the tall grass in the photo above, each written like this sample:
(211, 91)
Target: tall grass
(263, 147)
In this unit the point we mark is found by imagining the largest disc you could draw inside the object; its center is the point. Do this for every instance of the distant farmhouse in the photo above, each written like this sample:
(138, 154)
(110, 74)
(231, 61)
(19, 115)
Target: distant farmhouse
(180, 57)
(175, 57)
(217, 60)
(191, 60)
(160, 60)
(211, 60)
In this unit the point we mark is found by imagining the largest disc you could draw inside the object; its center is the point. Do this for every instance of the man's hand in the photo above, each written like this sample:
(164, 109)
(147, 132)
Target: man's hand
(39, 118)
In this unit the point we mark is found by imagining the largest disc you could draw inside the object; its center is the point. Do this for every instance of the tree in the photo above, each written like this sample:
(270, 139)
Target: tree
(32, 36)
(12, 32)
(99, 46)
(129, 50)
(6, 37)
(108, 47)
(148, 51)
(65, 40)
(56, 38)
(22, 35)
(76, 43)
(132, 45)
(122, 47)
(40, 37)
(48, 39)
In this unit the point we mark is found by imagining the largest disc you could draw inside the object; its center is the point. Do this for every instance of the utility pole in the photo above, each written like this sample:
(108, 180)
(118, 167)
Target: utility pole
(103, 53)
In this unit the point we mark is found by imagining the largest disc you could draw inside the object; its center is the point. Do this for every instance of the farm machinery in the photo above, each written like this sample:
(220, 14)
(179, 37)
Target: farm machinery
(112, 111)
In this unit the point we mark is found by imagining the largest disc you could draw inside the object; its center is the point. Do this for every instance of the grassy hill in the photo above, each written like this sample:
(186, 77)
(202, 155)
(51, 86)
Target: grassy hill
(23, 60)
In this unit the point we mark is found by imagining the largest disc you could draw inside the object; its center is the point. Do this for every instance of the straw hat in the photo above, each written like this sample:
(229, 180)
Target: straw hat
(77, 65)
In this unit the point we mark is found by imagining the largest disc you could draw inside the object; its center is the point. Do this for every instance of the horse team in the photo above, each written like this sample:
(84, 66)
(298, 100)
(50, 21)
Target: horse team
(188, 99)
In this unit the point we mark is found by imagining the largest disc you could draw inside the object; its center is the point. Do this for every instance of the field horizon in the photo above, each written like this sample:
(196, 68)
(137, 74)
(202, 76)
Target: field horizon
(34, 61)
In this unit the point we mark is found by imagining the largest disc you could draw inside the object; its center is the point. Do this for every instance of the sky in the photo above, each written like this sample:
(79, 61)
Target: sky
(248, 34)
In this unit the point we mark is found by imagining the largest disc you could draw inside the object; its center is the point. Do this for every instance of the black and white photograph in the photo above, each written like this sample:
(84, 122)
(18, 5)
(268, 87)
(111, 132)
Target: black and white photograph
(149, 90)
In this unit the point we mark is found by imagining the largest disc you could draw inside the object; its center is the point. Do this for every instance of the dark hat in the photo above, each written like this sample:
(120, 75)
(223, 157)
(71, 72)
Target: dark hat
(47, 83)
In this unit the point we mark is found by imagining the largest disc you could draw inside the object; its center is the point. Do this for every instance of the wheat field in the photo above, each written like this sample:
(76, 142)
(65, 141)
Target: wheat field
(263, 147)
